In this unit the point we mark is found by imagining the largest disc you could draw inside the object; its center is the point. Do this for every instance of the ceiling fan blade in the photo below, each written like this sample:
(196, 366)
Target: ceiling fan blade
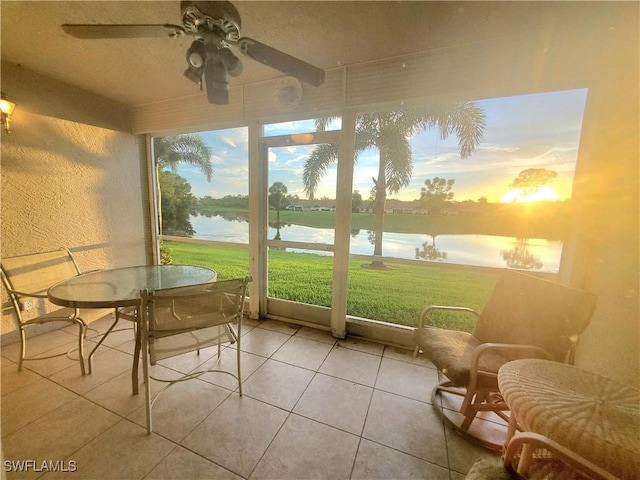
(94, 31)
(281, 61)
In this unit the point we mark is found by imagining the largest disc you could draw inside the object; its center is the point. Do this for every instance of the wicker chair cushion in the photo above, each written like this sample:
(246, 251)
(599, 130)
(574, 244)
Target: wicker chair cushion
(528, 310)
(451, 351)
(487, 470)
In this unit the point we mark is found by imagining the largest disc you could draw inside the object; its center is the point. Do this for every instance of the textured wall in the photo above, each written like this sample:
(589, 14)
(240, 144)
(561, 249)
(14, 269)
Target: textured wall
(609, 251)
(71, 175)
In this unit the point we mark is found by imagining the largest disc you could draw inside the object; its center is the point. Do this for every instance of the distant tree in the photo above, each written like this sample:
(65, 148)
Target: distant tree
(531, 180)
(483, 200)
(169, 152)
(292, 199)
(278, 198)
(436, 193)
(207, 201)
(356, 202)
(176, 201)
(233, 201)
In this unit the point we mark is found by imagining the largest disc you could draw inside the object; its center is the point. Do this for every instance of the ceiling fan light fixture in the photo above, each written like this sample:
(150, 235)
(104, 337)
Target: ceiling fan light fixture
(196, 54)
(232, 63)
(215, 77)
(6, 110)
(194, 74)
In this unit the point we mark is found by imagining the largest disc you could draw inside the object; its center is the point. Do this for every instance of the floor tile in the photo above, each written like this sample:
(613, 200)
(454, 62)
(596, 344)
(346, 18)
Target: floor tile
(39, 344)
(375, 461)
(6, 362)
(63, 351)
(66, 357)
(12, 379)
(406, 425)
(250, 322)
(72, 430)
(307, 449)
(116, 394)
(249, 363)
(122, 333)
(31, 402)
(181, 407)
(316, 334)
(107, 364)
(352, 365)
(127, 347)
(413, 381)
(181, 464)
(237, 433)
(314, 407)
(262, 342)
(189, 361)
(278, 384)
(277, 326)
(406, 355)
(490, 431)
(336, 402)
(303, 353)
(463, 453)
(99, 325)
(361, 345)
(123, 451)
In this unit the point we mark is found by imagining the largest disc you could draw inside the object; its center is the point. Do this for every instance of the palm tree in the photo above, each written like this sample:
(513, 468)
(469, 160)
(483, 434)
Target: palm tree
(278, 198)
(168, 152)
(389, 133)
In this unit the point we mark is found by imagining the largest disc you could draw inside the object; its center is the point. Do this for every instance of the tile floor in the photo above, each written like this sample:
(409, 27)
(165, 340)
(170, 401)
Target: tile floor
(313, 407)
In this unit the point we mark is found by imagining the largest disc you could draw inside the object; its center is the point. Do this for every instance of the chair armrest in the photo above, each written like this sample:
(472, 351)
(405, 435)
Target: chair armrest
(523, 351)
(426, 311)
(512, 455)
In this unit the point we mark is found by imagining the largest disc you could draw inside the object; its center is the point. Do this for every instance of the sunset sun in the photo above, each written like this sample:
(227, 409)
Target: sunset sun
(517, 195)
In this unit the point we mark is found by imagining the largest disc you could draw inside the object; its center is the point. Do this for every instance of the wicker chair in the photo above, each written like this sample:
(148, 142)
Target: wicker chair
(187, 319)
(27, 279)
(548, 461)
(526, 317)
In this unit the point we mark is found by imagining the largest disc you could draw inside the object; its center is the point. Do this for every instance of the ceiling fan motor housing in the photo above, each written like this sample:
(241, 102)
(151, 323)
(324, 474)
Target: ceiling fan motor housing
(221, 18)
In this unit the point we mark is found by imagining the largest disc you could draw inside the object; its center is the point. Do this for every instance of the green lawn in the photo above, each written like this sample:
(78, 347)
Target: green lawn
(396, 295)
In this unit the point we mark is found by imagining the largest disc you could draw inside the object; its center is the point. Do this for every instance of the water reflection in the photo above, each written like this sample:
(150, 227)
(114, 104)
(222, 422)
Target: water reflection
(480, 250)
(430, 252)
(520, 257)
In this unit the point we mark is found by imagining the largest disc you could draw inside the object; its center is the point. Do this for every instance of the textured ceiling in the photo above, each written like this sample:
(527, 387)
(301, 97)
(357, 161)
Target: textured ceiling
(325, 34)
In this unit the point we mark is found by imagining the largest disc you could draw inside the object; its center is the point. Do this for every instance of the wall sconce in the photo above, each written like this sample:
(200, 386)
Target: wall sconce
(6, 109)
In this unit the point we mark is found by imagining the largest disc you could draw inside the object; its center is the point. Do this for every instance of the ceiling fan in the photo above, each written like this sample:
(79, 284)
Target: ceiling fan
(215, 27)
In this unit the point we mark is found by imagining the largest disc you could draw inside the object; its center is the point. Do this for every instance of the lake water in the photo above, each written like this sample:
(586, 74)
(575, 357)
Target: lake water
(480, 250)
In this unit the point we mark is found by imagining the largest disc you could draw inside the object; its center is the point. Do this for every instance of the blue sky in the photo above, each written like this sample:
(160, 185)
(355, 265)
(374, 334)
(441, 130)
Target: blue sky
(528, 131)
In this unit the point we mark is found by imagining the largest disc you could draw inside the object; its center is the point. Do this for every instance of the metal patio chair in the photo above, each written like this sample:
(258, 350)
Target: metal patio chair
(27, 279)
(187, 319)
(526, 317)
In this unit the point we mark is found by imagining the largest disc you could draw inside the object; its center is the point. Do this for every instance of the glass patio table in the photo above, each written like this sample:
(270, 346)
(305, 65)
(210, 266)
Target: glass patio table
(120, 287)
